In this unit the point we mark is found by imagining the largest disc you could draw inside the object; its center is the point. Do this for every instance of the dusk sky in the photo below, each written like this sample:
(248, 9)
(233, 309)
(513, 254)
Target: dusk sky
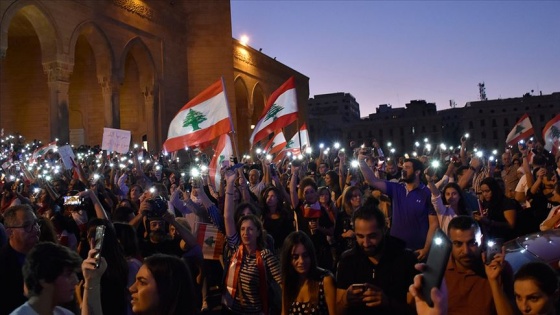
(391, 52)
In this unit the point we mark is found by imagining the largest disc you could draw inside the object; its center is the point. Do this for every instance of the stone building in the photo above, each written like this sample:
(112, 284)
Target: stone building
(488, 123)
(68, 68)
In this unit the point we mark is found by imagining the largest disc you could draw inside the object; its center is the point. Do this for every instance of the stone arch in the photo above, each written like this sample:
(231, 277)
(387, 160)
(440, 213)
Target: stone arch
(258, 102)
(43, 24)
(103, 53)
(139, 92)
(243, 121)
(29, 43)
(91, 85)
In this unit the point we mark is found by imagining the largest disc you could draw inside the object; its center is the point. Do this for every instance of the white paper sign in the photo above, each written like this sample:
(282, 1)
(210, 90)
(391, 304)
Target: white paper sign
(67, 155)
(116, 140)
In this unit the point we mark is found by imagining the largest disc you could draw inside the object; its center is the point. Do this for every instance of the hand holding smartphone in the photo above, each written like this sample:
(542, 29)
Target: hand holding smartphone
(98, 243)
(438, 256)
(493, 247)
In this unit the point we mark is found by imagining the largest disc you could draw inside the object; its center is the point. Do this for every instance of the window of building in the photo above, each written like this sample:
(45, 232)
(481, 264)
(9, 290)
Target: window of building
(495, 134)
(483, 135)
(482, 123)
(471, 125)
(494, 123)
(506, 122)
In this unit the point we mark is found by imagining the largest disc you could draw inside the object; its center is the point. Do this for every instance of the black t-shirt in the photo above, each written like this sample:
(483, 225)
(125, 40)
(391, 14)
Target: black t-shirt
(393, 274)
(169, 247)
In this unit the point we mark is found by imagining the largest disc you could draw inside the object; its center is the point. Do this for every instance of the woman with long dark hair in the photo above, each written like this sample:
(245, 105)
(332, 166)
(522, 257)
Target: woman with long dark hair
(277, 220)
(307, 289)
(448, 203)
(163, 286)
(536, 289)
(498, 213)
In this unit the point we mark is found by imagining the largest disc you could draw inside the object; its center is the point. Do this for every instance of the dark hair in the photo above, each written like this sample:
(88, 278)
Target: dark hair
(416, 164)
(334, 177)
(290, 282)
(542, 274)
(174, 282)
(347, 197)
(116, 275)
(497, 192)
(279, 208)
(307, 181)
(126, 235)
(463, 223)
(46, 261)
(461, 206)
(244, 205)
(261, 244)
(369, 212)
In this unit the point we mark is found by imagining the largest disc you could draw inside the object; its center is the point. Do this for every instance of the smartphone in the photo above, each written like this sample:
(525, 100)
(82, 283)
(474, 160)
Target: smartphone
(72, 200)
(438, 256)
(98, 243)
(359, 286)
(493, 247)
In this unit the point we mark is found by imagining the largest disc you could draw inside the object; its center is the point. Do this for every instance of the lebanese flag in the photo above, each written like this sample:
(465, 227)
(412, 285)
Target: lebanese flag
(522, 129)
(294, 145)
(551, 135)
(210, 240)
(276, 144)
(280, 111)
(43, 150)
(203, 119)
(224, 150)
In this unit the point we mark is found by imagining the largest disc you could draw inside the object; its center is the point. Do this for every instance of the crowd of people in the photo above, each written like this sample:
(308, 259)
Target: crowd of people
(343, 232)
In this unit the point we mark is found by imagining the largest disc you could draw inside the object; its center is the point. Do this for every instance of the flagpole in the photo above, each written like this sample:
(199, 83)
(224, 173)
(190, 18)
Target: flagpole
(299, 136)
(233, 134)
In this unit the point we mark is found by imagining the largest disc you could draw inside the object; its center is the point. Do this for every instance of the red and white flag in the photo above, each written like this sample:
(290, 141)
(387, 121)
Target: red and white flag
(43, 150)
(210, 240)
(276, 144)
(224, 150)
(551, 135)
(294, 144)
(203, 119)
(522, 129)
(280, 111)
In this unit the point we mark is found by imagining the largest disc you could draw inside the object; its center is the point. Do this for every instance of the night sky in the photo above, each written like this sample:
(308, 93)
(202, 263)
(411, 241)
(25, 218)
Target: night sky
(391, 52)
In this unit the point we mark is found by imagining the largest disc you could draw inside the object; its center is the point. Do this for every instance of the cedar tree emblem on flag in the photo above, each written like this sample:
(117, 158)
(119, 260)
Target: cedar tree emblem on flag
(273, 111)
(193, 119)
(290, 144)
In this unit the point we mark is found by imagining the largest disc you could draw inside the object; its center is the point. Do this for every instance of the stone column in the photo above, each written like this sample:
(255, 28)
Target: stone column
(58, 74)
(111, 107)
(151, 118)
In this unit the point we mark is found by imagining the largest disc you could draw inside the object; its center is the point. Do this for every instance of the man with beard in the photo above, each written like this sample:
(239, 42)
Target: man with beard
(374, 276)
(414, 219)
(158, 240)
(23, 233)
(473, 286)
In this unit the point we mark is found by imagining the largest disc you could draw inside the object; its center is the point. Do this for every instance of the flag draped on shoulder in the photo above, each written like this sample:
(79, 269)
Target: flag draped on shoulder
(522, 129)
(276, 144)
(280, 111)
(203, 119)
(551, 135)
(224, 150)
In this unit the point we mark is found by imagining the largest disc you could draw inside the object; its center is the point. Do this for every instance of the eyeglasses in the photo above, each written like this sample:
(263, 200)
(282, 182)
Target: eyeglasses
(28, 227)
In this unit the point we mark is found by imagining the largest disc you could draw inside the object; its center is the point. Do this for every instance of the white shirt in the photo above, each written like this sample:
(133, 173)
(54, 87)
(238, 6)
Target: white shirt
(26, 309)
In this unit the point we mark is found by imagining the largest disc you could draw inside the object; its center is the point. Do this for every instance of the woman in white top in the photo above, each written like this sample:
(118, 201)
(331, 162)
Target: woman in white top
(448, 206)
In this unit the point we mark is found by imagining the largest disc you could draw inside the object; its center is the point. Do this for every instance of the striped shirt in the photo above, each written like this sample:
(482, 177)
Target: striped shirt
(248, 300)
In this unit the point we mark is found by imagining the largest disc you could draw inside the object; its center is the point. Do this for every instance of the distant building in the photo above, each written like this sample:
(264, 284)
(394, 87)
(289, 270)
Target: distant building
(488, 122)
(329, 114)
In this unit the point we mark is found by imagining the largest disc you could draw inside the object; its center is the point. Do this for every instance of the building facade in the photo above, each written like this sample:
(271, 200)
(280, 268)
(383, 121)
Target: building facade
(330, 114)
(488, 123)
(68, 68)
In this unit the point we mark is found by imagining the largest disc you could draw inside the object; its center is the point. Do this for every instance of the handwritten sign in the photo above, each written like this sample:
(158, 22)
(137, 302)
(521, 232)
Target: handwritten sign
(116, 140)
(66, 154)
